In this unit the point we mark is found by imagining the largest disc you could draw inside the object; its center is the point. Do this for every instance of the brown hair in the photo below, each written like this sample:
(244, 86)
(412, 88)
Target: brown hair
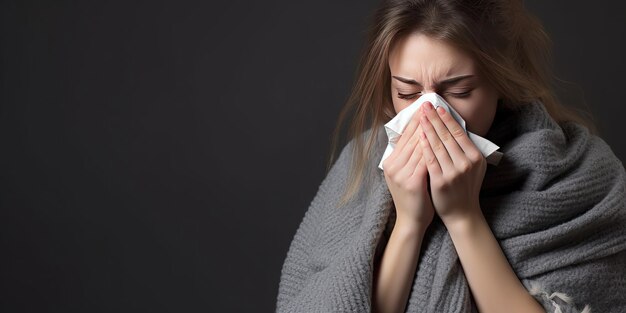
(510, 46)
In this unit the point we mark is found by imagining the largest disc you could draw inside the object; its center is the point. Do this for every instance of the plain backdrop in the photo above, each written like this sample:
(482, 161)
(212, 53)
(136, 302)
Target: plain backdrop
(158, 156)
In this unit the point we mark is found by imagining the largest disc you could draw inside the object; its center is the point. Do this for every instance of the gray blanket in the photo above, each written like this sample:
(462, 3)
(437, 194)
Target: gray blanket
(556, 203)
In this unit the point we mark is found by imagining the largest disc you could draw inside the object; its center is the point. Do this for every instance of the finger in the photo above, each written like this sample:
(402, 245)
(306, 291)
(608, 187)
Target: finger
(418, 166)
(420, 169)
(409, 130)
(428, 156)
(409, 136)
(407, 150)
(416, 155)
(455, 152)
(458, 133)
(435, 144)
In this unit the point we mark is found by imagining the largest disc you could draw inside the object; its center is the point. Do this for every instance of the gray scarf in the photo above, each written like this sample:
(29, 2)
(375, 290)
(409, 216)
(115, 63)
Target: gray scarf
(556, 203)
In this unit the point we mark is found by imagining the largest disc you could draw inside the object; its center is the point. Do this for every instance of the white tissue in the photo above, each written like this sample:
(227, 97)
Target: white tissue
(395, 127)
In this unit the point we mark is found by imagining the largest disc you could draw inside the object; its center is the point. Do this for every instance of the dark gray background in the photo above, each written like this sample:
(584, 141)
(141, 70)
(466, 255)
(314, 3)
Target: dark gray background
(158, 156)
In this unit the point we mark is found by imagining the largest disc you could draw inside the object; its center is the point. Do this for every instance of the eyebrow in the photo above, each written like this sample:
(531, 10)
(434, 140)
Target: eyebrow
(448, 81)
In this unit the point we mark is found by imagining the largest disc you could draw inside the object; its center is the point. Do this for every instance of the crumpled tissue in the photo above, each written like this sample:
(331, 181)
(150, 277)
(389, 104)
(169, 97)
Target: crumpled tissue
(396, 125)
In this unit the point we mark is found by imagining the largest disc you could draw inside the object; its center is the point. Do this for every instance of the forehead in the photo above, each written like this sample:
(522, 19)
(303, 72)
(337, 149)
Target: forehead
(423, 58)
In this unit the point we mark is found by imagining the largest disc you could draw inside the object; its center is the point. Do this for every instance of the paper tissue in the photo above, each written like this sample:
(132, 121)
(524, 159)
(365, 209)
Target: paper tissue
(395, 127)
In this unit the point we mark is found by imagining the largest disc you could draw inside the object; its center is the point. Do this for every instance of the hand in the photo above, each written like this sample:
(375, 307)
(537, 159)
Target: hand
(406, 176)
(455, 165)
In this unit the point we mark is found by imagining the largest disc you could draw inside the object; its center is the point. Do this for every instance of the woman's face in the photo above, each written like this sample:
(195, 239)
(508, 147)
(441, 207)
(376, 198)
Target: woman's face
(419, 65)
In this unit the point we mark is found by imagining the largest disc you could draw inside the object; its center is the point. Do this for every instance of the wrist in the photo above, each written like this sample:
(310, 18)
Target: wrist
(466, 223)
(410, 226)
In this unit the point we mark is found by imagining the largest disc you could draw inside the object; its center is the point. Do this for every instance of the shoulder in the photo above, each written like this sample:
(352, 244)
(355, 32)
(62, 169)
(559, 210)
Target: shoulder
(357, 145)
(595, 150)
(349, 166)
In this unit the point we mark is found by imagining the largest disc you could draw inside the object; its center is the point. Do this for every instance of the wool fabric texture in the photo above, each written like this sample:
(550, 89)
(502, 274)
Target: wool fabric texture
(556, 203)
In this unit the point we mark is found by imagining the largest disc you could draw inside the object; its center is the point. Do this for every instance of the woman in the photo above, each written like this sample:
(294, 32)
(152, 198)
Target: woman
(440, 230)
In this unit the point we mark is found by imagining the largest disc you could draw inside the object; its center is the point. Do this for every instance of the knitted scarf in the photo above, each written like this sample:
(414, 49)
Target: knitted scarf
(556, 203)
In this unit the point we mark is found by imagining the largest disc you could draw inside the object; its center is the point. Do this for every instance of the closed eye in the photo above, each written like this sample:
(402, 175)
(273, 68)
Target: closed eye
(454, 94)
(460, 94)
(405, 96)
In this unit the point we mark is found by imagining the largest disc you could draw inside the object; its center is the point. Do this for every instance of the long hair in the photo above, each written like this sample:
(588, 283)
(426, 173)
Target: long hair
(509, 45)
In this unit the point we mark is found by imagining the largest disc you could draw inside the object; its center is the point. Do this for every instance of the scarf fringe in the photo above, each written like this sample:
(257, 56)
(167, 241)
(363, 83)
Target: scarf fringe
(538, 290)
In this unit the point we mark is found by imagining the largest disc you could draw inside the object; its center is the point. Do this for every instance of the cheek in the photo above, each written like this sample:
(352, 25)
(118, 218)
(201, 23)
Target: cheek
(398, 105)
(478, 116)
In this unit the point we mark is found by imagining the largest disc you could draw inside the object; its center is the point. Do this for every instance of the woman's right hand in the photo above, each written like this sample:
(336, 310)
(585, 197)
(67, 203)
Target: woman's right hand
(406, 175)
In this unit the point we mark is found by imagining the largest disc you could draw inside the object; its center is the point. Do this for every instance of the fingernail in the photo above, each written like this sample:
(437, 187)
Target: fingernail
(428, 105)
(441, 110)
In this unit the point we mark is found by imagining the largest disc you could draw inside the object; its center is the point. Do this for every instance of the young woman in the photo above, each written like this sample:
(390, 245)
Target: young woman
(440, 230)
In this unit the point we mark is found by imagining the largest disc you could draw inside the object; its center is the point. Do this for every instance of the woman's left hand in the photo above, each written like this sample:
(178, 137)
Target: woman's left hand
(455, 165)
